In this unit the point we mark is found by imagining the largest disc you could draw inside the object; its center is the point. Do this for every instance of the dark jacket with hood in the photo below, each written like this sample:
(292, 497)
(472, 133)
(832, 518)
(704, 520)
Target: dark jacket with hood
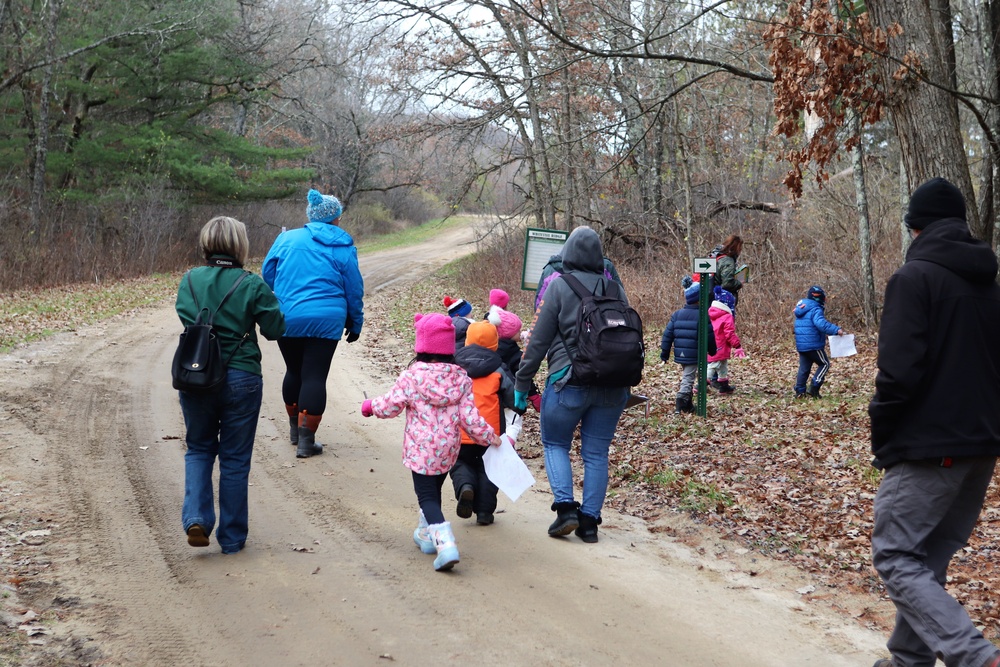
(937, 390)
(681, 332)
(492, 385)
(554, 333)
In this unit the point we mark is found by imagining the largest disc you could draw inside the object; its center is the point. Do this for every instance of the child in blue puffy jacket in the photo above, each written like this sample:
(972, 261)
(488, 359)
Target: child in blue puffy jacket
(681, 333)
(811, 330)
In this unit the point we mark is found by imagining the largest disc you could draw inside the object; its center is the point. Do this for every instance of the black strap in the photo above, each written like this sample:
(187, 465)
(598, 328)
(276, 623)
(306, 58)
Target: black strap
(212, 314)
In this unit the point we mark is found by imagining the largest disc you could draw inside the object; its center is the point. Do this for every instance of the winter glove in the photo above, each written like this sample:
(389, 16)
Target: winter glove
(738, 353)
(536, 402)
(520, 400)
(366, 408)
(351, 336)
(512, 423)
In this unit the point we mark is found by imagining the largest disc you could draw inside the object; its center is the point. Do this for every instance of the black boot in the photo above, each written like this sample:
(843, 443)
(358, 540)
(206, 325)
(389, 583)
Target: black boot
(725, 387)
(688, 404)
(814, 389)
(679, 406)
(588, 528)
(567, 520)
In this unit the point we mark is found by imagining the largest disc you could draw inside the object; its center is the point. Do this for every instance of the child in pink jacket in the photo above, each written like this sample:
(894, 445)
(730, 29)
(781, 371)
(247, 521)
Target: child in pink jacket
(727, 343)
(437, 396)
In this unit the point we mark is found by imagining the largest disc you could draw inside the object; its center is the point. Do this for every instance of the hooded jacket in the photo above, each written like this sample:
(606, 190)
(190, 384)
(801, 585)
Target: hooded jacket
(681, 333)
(724, 328)
(811, 326)
(314, 273)
(553, 333)
(938, 382)
(492, 386)
(438, 402)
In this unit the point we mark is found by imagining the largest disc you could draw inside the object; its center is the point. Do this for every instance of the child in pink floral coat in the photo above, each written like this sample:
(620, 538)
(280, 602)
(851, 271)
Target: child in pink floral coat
(437, 396)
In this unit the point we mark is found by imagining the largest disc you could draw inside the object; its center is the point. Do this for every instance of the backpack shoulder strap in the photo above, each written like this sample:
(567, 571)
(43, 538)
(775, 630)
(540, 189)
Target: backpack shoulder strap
(232, 289)
(576, 285)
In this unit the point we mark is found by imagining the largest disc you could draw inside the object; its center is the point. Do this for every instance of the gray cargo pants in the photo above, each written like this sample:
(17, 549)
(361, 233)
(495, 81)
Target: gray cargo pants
(925, 513)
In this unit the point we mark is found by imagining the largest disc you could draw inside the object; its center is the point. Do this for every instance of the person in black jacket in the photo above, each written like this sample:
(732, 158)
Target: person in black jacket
(681, 333)
(935, 427)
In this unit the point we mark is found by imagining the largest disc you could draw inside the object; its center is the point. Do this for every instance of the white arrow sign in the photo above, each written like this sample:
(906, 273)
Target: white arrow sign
(704, 264)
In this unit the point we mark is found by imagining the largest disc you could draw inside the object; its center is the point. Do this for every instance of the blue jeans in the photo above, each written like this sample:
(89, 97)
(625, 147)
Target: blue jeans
(596, 410)
(221, 425)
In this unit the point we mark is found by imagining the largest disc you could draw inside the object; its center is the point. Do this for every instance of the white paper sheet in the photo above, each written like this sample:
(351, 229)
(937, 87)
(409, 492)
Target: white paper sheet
(506, 469)
(842, 346)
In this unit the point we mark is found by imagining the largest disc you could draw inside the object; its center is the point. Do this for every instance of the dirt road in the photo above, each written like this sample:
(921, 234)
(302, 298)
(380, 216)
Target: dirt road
(91, 451)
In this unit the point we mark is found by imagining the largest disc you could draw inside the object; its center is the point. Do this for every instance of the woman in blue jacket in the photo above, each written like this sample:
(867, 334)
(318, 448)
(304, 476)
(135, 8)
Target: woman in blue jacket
(314, 273)
(811, 330)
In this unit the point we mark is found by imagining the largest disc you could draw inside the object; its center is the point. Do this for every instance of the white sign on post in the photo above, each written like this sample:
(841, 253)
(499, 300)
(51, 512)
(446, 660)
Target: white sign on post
(704, 264)
(539, 246)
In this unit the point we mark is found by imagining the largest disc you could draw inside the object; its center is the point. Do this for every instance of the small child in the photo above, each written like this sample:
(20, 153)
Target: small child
(811, 330)
(682, 334)
(493, 392)
(727, 343)
(509, 332)
(437, 396)
(459, 311)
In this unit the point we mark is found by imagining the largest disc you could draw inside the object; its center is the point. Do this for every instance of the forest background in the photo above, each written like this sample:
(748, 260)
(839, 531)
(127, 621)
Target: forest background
(664, 125)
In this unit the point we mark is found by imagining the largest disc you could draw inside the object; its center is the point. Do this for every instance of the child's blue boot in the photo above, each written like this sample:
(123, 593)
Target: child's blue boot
(422, 538)
(444, 543)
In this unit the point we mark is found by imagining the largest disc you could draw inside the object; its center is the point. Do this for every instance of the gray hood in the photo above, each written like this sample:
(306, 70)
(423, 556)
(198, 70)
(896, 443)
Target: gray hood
(582, 252)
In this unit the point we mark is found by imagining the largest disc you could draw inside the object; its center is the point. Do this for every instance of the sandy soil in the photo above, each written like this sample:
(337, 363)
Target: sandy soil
(91, 459)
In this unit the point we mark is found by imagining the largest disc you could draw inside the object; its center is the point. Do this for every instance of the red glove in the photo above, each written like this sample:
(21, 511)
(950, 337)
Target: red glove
(366, 408)
(536, 402)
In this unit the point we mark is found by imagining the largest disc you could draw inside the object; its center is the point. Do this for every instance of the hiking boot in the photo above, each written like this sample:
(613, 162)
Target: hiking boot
(715, 383)
(725, 387)
(687, 404)
(800, 394)
(587, 531)
(882, 662)
(466, 496)
(197, 537)
(814, 390)
(484, 518)
(567, 519)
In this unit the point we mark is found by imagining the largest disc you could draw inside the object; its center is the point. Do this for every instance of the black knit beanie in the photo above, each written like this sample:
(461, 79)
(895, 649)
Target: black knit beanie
(934, 200)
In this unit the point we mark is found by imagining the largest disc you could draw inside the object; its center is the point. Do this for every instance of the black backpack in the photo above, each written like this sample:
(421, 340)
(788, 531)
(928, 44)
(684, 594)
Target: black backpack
(610, 351)
(198, 367)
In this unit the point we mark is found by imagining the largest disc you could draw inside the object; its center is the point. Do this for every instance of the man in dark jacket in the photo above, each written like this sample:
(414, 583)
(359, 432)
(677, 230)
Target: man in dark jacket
(935, 426)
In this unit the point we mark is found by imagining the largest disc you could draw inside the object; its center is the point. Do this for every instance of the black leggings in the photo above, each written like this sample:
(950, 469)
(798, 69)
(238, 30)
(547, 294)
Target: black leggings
(428, 490)
(307, 363)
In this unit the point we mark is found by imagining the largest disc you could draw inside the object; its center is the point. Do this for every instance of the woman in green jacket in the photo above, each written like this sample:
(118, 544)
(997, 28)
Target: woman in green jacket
(223, 424)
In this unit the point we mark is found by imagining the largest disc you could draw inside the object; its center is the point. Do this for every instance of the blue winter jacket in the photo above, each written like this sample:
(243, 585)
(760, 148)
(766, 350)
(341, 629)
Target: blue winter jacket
(682, 334)
(314, 273)
(811, 327)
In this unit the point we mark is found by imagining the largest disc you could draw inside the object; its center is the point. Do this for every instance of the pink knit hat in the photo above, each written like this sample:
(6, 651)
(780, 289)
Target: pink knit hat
(510, 325)
(435, 334)
(499, 298)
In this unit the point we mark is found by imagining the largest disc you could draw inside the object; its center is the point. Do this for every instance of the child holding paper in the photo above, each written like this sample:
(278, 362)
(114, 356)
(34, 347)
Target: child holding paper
(437, 397)
(493, 392)
(811, 330)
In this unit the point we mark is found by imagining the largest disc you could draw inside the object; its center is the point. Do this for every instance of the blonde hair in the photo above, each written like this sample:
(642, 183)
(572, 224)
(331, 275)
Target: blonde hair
(225, 236)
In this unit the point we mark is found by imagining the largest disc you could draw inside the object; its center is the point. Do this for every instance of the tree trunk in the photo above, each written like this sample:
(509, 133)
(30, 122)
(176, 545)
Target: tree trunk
(864, 227)
(926, 117)
(42, 137)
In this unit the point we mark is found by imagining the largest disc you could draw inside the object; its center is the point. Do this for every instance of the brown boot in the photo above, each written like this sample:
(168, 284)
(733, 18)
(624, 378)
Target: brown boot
(308, 424)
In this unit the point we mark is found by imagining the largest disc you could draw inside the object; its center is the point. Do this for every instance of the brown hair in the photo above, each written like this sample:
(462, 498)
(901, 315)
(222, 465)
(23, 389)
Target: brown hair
(225, 236)
(732, 246)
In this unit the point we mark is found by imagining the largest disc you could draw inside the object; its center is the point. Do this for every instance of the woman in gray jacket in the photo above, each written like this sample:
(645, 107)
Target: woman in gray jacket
(566, 403)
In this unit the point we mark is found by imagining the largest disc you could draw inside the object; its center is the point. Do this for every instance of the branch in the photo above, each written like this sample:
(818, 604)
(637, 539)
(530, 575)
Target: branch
(743, 205)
